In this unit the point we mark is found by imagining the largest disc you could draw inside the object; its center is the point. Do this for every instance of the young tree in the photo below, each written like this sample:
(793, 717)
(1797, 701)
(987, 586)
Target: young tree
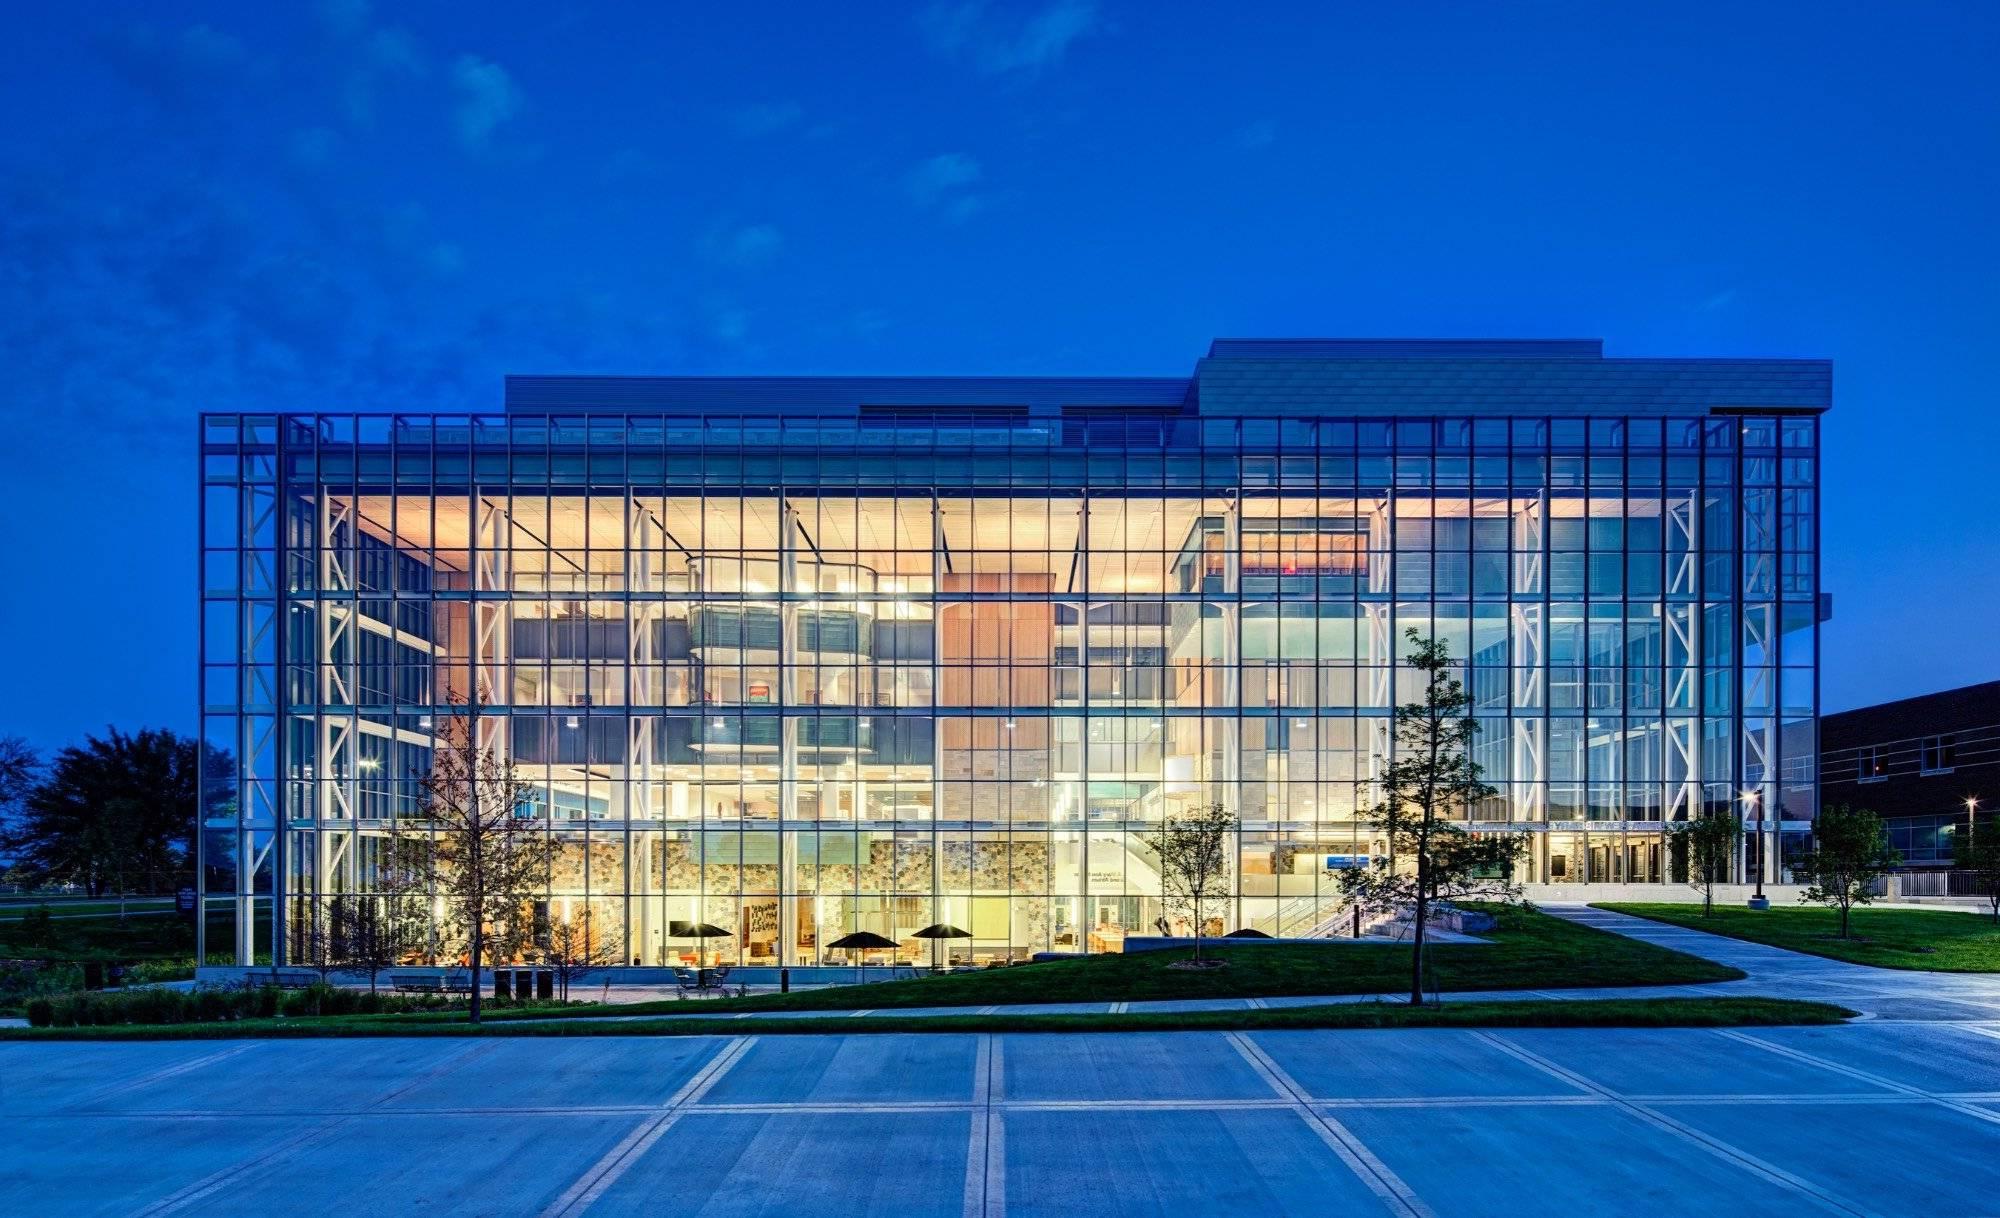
(376, 932)
(1977, 853)
(116, 812)
(1850, 852)
(479, 846)
(1431, 784)
(575, 948)
(1194, 861)
(1709, 845)
(317, 939)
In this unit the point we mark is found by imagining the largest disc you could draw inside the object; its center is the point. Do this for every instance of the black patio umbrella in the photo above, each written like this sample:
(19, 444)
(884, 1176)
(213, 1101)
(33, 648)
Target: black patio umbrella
(1246, 932)
(861, 940)
(937, 931)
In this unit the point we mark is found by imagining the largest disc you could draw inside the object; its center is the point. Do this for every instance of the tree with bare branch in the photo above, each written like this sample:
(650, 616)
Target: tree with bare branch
(480, 845)
(576, 947)
(1194, 861)
(376, 932)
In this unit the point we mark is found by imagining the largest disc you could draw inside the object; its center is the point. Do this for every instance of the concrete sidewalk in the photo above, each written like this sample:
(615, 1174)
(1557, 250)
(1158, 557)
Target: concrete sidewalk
(1772, 973)
(1778, 973)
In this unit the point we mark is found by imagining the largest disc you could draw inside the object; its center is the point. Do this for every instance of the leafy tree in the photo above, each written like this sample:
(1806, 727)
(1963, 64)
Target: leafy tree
(479, 847)
(1850, 852)
(1431, 784)
(575, 948)
(114, 813)
(1194, 861)
(20, 768)
(1708, 843)
(1977, 853)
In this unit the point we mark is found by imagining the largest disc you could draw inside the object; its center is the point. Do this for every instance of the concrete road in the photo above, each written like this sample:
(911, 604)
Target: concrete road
(1880, 1117)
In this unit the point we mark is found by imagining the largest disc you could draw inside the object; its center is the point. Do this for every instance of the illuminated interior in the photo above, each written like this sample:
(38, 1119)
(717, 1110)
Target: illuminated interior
(797, 713)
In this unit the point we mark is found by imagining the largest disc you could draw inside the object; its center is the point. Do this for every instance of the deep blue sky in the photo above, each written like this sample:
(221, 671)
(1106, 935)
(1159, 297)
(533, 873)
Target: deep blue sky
(276, 206)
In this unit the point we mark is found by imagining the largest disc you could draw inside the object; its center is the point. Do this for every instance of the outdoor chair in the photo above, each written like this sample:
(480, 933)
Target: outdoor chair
(686, 981)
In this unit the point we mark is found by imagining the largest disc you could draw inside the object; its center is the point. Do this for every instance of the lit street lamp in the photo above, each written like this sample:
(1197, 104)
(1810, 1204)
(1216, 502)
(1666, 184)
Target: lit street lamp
(1757, 898)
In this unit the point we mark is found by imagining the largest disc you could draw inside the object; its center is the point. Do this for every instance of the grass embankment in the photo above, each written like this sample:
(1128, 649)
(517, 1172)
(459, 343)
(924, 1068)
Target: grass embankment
(1536, 1013)
(46, 956)
(1939, 940)
(16, 907)
(1529, 950)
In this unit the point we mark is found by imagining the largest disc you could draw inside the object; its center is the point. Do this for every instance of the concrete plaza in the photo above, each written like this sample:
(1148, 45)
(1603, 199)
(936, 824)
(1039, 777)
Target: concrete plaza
(1895, 1114)
(1880, 1117)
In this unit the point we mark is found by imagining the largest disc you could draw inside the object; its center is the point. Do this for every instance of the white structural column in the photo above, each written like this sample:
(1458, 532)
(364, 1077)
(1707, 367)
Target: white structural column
(790, 655)
(1232, 681)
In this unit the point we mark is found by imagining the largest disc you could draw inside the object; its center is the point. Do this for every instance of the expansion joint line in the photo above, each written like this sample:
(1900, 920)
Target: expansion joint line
(985, 1151)
(156, 1076)
(1687, 1133)
(209, 1185)
(1371, 1171)
(598, 1178)
(1811, 1059)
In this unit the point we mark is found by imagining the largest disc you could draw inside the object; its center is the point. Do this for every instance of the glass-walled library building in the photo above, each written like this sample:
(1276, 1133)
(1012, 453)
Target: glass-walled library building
(795, 657)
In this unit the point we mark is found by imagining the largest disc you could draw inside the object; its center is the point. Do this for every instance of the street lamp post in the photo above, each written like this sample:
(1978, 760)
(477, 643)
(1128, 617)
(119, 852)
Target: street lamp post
(1757, 898)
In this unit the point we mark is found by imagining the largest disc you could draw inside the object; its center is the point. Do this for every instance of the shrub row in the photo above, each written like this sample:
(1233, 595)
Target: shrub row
(218, 1005)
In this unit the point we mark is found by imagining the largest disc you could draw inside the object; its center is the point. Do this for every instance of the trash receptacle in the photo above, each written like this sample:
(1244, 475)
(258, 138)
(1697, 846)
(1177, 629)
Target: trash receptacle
(784, 981)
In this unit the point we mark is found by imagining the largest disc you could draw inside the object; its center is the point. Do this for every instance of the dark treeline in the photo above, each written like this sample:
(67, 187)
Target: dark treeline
(114, 814)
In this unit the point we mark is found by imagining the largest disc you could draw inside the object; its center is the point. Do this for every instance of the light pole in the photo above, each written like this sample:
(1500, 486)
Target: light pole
(1757, 898)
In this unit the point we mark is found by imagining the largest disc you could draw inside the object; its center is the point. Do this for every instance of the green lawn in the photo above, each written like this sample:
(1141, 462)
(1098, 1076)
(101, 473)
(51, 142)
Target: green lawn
(1529, 950)
(15, 907)
(1943, 940)
(105, 937)
(1534, 1013)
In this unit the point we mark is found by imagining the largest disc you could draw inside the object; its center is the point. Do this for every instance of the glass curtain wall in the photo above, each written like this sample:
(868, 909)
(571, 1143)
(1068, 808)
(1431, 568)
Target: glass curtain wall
(795, 677)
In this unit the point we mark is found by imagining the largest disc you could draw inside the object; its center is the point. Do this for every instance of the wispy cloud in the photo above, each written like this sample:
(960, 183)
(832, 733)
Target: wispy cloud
(1717, 301)
(487, 97)
(1261, 134)
(1009, 37)
(768, 118)
(747, 245)
(945, 184)
(931, 180)
(179, 67)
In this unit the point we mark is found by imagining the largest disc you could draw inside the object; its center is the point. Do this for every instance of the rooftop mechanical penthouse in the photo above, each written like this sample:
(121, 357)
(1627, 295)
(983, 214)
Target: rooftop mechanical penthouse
(801, 656)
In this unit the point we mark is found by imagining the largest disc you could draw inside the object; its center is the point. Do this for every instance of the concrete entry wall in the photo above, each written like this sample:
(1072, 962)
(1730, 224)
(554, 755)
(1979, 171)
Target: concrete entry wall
(1725, 894)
